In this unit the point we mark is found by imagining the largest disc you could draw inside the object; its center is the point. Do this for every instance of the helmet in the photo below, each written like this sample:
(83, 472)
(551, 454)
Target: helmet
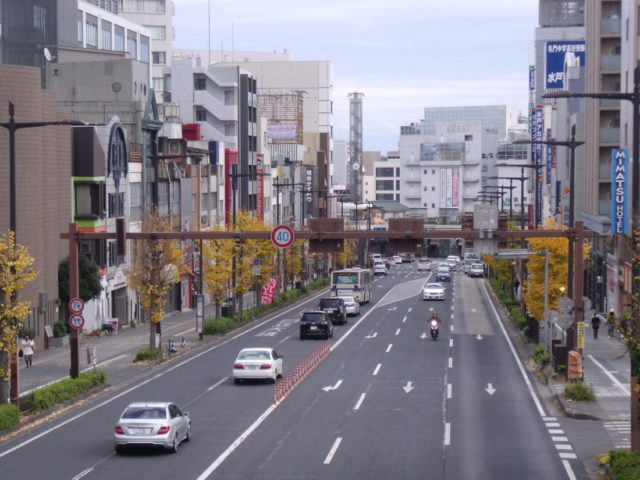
(611, 310)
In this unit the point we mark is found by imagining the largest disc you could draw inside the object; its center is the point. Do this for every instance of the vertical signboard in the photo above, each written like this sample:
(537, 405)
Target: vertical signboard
(443, 187)
(619, 191)
(455, 193)
(537, 133)
(550, 158)
(557, 56)
(260, 187)
(230, 158)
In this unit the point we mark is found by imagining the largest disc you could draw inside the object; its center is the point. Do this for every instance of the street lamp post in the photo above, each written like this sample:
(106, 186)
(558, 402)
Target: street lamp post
(634, 98)
(12, 127)
(521, 179)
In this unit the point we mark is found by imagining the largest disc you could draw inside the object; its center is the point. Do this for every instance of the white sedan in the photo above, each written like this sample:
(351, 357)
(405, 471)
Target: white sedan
(257, 363)
(433, 291)
(353, 307)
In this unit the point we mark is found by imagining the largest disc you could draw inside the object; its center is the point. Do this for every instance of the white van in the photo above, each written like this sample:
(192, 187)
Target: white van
(379, 268)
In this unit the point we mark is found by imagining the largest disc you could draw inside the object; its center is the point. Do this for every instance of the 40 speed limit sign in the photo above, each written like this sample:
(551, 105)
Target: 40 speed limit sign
(282, 236)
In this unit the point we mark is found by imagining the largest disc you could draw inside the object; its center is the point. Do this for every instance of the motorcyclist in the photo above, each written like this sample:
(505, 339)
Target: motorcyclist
(434, 316)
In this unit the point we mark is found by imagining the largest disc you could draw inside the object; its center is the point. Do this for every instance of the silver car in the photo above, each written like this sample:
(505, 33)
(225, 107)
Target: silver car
(153, 424)
(353, 307)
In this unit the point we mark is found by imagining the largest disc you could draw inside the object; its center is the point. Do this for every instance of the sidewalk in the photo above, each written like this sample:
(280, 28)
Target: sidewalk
(115, 353)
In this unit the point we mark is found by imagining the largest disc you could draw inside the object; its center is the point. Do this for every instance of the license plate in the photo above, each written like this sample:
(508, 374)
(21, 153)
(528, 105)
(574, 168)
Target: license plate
(313, 327)
(138, 431)
(252, 367)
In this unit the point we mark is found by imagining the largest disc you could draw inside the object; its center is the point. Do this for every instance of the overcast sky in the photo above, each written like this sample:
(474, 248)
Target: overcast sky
(404, 55)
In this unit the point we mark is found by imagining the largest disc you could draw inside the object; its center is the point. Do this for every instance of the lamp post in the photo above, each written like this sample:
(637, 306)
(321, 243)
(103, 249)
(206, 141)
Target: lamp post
(521, 179)
(572, 144)
(12, 127)
(634, 98)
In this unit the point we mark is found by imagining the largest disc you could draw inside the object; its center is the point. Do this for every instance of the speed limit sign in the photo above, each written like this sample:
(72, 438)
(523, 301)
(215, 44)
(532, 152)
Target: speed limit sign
(282, 236)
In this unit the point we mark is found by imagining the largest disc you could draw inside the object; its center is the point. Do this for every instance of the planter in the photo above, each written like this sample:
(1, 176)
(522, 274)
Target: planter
(59, 341)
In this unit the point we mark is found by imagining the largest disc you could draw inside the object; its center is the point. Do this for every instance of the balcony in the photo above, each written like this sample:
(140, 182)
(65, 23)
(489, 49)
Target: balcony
(610, 26)
(609, 135)
(610, 62)
(609, 102)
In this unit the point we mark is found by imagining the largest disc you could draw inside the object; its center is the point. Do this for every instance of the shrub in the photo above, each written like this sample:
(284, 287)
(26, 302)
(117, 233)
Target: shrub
(67, 389)
(579, 392)
(541, 357)
(148, 354)
(132, 324)
(9, 416)
(216, 326)
(624, 465)
(59, 329)
(26, 331)
(517, 317)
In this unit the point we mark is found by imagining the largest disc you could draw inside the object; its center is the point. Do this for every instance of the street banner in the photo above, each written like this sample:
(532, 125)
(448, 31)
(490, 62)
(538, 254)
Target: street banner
(267, 291)
(580, 335)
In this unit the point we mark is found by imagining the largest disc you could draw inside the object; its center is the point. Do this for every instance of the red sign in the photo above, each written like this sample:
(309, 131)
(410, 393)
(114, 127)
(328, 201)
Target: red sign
(266, 294)
(230, 158)
(76, 321)
(260, 192)
(76, 305)
(282, 236)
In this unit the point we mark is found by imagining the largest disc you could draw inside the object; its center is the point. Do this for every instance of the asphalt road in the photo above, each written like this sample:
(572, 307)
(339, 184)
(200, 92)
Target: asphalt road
(385, 403)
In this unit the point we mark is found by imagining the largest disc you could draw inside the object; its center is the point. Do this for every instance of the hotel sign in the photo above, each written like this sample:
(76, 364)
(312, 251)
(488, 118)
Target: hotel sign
(619, 191)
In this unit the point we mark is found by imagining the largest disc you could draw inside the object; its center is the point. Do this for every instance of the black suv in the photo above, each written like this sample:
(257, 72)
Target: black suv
(316, 324)
(336, 309)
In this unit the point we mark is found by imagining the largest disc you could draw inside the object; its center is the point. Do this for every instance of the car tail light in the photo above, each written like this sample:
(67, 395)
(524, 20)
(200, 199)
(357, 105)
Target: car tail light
(163, 430)
(238, 366)
(266, 366)
(119, 430)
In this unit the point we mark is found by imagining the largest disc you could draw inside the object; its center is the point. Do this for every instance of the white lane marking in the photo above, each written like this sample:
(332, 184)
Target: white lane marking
(549, 419)
(447, 434)
(451, 342)
(333, 450)
(515, 355)
(360, 400)
(389, 348)
(410, 308)
(449, 390)
(563, 446)
(398, 332)
(377, 369)
(218, 383)
(451, 328)
(83, 473)
(179, 334)
(335, 387)
(559, 439)
(404, 319)
(238, 441)
(617, 382)
(556, 431)
(373, 335)
(155, 377)
(557, 425)
(452, 317)
(450, 362)
(568, 455)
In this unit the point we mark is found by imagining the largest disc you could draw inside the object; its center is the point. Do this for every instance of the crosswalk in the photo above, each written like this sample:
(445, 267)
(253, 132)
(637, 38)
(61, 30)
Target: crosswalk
(620, 433)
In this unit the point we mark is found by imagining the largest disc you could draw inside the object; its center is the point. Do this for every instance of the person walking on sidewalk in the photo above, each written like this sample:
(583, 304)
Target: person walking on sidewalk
(595, 324)
(611, 322)
(28, 345)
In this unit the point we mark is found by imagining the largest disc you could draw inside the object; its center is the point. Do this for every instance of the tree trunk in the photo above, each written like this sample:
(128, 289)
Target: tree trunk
(5, 385)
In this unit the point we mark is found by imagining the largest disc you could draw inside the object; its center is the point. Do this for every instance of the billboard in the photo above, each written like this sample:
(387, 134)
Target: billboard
(282, 132)
(537, 133)
(557, 55)
(619, 191)
(260, 187)
(449, 188)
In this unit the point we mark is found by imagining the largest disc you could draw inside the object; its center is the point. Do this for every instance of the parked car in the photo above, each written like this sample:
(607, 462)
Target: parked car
(424, 264)
(352, 307)
(433, 291)
(379, 268)
(476, 270)
(443, 274)
(257, 363)
(315, 323)
(152, 424)
(336, 309)
(398, 259)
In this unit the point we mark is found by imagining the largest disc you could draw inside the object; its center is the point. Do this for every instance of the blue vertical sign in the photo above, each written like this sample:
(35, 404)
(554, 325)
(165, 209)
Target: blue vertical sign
(558, 54)
(619, 191)
(537, 135)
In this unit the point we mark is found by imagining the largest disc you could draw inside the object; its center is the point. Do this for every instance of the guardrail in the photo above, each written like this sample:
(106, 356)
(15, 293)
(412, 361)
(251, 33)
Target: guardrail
(288, 383)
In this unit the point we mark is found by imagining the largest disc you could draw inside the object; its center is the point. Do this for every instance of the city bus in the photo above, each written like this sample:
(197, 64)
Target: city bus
(352, 282)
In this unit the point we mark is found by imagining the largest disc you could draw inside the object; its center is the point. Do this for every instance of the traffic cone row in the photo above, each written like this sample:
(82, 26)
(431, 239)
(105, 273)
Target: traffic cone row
(282, 389)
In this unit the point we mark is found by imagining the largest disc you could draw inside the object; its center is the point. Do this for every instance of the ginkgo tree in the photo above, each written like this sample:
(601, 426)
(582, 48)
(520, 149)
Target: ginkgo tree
(16, 271)
(533, 287)
(217, 269)
(347, 255)
(156, 264)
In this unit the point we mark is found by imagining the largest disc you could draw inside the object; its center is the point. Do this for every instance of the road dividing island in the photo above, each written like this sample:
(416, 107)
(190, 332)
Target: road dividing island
(288, 383)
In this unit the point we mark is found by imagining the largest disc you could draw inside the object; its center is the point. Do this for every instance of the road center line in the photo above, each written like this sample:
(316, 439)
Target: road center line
(450, 362)
(377, 369)
(389, 348)
(451, 342)
(410, 308)
(404, 319)
(83, 473)
(360, 400)
(218, 383)
(398, 332)
(447, 434)
(449, 390)
(333, 450)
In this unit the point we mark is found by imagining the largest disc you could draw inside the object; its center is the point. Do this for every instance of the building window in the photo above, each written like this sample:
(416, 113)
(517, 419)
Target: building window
(397, 184)
(89, 200)
(201, 114)
(158, 84)
(433, 172)
(433, 205)
(91, 32)
(425, 171)
(433, 189)
(105, 32)
(144, 49)
(158, 32)
(159, 58)
(144, 6)
(40, 20)
(384, 184)
(199, 82)
(468, 138)
(132, 44)
(384, 172)
(397, 171)
(118, 39)
(135, 199)
(80, 27)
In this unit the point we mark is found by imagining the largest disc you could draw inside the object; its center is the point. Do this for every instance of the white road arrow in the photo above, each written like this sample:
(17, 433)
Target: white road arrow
(337, 385)
(374, 335)
(479, 337)
(408, 387)
(391, 309)
(423, 336)
(490, 390)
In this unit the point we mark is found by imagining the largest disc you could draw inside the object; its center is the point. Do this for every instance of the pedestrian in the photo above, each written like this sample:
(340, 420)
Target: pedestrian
(611, 322)
(595, 324)
(28, 346)
(516, 284)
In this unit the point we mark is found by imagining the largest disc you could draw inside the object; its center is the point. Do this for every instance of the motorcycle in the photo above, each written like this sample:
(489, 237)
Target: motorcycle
(434, 326)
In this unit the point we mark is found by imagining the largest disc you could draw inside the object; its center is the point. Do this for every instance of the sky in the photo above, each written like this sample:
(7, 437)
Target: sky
(404, 55)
